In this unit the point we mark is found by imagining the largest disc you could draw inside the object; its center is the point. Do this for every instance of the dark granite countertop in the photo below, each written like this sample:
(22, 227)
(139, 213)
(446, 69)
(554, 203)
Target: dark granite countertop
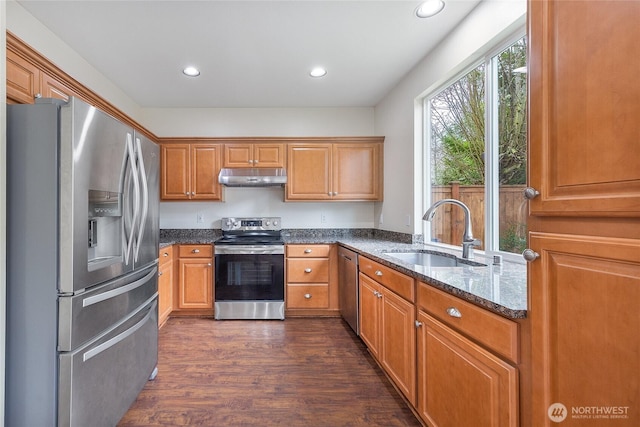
(501, 289)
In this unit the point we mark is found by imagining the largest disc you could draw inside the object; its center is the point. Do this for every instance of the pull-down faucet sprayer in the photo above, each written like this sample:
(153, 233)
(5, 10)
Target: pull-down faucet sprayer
(468, 241)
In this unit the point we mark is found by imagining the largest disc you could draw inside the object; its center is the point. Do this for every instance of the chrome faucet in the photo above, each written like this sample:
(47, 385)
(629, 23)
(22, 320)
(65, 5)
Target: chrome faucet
(468, 241)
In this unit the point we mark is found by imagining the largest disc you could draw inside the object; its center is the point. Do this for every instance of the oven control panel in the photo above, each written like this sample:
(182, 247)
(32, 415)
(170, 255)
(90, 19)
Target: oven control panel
(251, 224)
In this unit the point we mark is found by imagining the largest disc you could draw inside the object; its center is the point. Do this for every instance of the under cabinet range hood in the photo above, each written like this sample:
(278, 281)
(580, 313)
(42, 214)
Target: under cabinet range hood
(252, 177)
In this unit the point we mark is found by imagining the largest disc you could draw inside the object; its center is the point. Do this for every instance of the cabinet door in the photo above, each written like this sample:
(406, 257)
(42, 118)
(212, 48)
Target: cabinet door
(205, 167)
(584, 296)
(370, 314)
(584, 109)
(398, 344)
(175, 183)
(309, 170)
(268, 155)
(196, 281)
(53, 88)
(460, 383)
(23, 80)
(238, 155)
(165, 292)
(357, 172)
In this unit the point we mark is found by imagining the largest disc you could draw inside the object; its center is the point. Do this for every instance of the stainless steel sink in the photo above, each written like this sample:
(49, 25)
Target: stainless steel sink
(431, 259)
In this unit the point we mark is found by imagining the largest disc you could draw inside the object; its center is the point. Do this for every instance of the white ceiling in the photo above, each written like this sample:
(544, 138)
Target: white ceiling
(250, 53)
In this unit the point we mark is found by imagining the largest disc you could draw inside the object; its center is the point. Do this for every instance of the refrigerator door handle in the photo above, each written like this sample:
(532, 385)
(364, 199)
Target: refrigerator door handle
(122, 336)
(136, 195)
(118, 291)
(145, 198)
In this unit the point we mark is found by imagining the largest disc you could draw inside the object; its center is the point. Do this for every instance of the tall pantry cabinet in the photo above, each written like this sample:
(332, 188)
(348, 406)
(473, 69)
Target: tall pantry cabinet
(584, 222)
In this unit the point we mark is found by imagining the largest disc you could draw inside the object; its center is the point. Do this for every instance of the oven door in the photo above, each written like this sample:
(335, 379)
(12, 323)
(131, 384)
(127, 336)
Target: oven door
(249, 273)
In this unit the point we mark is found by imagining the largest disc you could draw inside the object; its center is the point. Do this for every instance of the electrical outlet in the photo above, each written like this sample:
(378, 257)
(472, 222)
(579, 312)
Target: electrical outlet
(200, 218)
(381, 219)
(323, 218)
(407, 220)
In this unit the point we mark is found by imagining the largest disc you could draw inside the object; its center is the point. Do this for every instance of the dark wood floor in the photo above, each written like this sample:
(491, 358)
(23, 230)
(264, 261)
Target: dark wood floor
(300, 372)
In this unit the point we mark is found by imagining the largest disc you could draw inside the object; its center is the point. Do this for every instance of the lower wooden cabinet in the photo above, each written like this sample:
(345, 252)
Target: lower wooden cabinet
(311, 282)
(195, 277)
(387, 326)
(165, 284)
(460, 383)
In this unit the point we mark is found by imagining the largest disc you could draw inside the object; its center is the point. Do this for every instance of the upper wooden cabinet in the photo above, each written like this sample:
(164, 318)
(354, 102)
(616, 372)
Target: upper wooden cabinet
(584, 109)
(336, 171)
(26, 82)
(190, 172)
(23, 80)
(247, 155)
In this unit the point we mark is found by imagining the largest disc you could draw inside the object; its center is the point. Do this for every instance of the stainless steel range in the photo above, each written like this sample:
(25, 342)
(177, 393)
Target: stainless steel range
(249, 269)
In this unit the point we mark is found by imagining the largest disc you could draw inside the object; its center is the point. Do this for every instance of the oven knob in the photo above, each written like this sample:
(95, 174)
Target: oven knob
(275, 222)
(228, 223)
(235, 223)
(268, 223)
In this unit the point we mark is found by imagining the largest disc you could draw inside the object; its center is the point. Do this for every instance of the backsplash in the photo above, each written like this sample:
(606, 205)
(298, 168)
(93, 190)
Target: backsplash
(209, 234)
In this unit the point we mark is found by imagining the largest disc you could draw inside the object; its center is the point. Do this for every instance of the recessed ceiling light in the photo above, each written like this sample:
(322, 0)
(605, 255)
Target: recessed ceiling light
(191, 71)
(317, 72)
(429, 8)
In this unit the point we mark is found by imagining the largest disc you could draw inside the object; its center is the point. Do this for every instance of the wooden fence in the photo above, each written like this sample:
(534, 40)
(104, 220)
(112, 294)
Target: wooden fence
(448, 223)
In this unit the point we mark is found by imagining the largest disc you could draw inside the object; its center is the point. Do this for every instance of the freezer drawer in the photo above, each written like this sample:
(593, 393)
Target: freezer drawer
(99, 381)
(87, 315)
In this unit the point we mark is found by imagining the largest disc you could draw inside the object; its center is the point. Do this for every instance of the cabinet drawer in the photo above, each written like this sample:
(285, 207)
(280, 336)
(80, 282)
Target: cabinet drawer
(307, 270)
(399, 283)
(308, 251)
(489, 329)
(308, 296)
(166, 255)
(195, 251)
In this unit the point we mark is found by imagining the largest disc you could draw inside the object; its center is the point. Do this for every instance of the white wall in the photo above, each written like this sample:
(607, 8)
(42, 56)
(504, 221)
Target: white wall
(398, 115)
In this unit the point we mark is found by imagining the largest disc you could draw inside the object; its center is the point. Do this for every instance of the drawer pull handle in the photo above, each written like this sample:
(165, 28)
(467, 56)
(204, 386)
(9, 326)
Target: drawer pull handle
(307, 296)
(307, 251)
(378, 273)
(307, 270)
(196, 251)
(418, 324)
(454, 312)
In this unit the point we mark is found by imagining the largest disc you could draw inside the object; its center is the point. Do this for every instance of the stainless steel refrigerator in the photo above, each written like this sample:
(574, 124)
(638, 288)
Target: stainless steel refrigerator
(82, 256)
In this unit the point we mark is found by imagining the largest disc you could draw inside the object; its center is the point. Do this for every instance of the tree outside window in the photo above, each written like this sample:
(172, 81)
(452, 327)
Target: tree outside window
(463, 152)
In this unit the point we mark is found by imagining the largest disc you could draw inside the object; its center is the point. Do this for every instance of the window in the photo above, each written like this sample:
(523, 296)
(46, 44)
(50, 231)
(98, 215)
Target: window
(476, 143)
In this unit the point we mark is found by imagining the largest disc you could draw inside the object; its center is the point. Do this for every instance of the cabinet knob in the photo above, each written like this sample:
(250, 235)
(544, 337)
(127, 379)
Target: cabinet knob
(307, 251)
(454, 312)
(378, 273)
(165, 254)
(160, 273)
(209, 264)
(531, 193)
(418, 323)
(186, 193)
(530, 255)
(255, 162)
(307, 270)
(307, 296)
(251, 161)
(37, 95)
(196, 251)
